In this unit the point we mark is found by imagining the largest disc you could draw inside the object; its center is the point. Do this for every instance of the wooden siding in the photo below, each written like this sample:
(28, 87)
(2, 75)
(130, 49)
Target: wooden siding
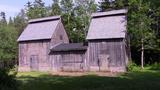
(107, 55)
(69, 61)
(37, 51)
(34, 54)
(60, 35)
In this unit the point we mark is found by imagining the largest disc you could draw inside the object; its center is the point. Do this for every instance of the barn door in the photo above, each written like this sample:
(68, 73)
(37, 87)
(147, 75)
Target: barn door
(103, 62)
(34, 62)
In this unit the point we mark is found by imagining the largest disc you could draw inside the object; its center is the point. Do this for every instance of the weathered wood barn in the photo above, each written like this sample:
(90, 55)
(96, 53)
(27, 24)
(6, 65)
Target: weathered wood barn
(69, 57)
(44, 45)
(36, 40)
(107, 41)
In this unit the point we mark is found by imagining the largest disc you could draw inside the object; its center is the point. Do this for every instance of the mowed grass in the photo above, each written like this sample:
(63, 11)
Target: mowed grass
(141, 80)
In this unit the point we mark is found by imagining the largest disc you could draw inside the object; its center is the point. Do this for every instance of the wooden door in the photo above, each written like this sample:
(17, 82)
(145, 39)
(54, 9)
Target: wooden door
(103, 62)
(34, 62)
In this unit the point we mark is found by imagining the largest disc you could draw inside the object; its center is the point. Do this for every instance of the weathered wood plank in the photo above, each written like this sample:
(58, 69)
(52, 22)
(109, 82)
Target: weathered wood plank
(110, 50)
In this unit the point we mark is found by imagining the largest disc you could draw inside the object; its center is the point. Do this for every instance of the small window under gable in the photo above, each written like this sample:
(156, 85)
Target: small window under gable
(61, 37)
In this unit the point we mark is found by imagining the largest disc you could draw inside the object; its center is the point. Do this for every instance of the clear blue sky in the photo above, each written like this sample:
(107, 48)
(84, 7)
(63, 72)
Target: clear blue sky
(12, 7)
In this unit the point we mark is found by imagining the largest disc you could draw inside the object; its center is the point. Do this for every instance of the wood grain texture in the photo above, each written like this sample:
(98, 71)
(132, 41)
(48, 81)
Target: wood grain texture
(40, 49)
(68, 61)
(107, 54)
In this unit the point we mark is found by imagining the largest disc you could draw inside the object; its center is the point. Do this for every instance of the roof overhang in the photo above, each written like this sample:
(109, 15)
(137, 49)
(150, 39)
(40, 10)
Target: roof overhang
(44, 19)
(108, 25)
(63, 47)
(110, 13)
(40, 29)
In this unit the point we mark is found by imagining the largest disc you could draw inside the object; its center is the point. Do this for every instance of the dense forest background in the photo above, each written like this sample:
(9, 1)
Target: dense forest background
(143, 24)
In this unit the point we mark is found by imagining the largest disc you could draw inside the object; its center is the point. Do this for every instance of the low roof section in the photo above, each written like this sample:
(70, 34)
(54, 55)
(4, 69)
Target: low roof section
(108, 25)
(63, 47)
(40, 29)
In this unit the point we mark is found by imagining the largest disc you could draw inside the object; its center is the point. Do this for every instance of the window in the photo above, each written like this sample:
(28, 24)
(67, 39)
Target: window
(61, 37)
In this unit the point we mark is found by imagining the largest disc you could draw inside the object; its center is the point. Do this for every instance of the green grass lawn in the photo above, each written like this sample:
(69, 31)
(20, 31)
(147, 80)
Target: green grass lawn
(141, 80)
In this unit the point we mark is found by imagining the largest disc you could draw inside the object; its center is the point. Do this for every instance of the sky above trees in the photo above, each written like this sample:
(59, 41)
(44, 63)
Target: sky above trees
(13, 7)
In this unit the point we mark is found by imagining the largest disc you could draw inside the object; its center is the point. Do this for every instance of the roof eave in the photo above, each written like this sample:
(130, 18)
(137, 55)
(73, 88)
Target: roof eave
(110, 13)
(44, 19)
(33, 40)
(104, 38)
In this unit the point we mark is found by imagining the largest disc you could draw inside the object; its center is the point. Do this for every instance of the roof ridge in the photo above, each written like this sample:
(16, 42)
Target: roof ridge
(44, 19)
(111, 12)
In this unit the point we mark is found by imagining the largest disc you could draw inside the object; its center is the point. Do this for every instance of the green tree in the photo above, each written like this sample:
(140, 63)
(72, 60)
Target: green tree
(76, 17)
(139, 25)
(10, 22)
(3, 18)
(83, 10)
(20, 21)
(8, 43)
(37, 9)
(55, 9)
(106, 5)
(68, 16)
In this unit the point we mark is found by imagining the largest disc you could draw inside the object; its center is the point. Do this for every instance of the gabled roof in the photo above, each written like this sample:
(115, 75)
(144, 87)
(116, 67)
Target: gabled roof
(109, 13)
(39, 29)
(69, 47)
(107, 25)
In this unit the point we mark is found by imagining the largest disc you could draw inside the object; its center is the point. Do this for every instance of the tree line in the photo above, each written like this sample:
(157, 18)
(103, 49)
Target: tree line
(143, 24)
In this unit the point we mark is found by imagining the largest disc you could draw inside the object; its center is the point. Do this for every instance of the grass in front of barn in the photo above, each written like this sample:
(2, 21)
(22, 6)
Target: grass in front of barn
(140, 80)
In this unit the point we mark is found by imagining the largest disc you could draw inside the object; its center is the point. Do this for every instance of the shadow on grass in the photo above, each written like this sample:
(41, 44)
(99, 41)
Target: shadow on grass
(129, 81)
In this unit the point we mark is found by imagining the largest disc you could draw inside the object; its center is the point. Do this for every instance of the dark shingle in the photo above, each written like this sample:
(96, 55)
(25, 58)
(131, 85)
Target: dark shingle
(69, 47)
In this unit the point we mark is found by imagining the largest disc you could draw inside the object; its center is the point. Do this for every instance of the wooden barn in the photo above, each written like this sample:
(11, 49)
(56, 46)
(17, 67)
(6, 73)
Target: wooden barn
(36, 40)
(108, 41)
(44, 45)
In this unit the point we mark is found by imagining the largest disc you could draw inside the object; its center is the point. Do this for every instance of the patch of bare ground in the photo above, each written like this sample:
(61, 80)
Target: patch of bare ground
(108, 74)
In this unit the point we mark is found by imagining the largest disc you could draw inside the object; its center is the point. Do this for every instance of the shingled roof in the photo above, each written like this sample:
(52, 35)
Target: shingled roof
(69, 47)
(39, 29)
(107, 25)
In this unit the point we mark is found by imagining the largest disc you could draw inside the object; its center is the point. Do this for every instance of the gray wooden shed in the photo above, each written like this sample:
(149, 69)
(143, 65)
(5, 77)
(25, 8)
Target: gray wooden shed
(107, 41)
(69, 57)
(37, 39)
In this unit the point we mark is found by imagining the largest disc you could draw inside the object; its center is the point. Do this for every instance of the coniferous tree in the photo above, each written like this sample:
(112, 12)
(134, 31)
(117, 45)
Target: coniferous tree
(139, 25)
(3, 18)
(68, 16)
(55, 8)
(8, 37)
(83, 10)
(20, 21)
(36, 9)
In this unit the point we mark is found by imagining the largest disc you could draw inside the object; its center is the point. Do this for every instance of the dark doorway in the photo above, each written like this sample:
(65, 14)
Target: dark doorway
(34, 62)
(103, 61)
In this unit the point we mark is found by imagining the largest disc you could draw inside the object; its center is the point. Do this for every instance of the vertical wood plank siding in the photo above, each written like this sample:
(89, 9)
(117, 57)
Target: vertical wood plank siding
(101, 55)
(34, 48)
(40, 49)
(56, 38)
(68, 61)
(112, 51)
